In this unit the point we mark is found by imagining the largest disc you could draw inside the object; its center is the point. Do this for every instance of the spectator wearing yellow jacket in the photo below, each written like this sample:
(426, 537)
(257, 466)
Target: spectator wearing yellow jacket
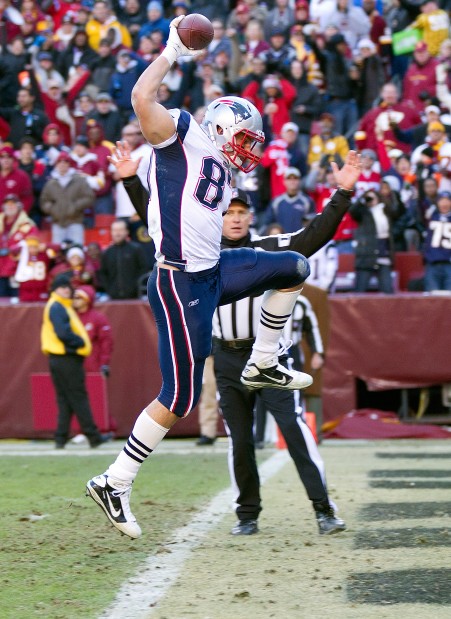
(105, 25)
(66, 342)
(434, 24)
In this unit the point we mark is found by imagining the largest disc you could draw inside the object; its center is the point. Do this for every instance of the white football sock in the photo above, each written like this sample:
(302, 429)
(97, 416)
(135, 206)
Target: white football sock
(276, 309)
(146, 435)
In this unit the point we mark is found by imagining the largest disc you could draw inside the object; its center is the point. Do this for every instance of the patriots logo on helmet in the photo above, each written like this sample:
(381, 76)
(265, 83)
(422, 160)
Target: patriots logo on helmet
(240, 111)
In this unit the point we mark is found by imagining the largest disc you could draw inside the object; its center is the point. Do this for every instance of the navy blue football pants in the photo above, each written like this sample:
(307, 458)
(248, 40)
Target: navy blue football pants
(183, 305)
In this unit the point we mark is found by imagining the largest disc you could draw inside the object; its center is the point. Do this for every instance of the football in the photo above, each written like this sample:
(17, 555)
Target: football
(195, 31)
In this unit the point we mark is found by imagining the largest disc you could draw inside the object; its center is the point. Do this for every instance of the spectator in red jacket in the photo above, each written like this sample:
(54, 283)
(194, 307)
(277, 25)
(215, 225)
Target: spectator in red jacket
(273, 98)
(14, 181)
(15, 226)
(377, 120)
(32, 273)
(420, 81)
(99, 330)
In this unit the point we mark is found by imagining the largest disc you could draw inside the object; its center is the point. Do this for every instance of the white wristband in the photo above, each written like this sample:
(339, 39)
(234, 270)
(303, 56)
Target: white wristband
(170, 54)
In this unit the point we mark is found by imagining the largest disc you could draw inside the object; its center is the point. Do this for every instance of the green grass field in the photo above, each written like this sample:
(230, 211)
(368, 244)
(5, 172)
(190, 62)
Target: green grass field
(60, 558)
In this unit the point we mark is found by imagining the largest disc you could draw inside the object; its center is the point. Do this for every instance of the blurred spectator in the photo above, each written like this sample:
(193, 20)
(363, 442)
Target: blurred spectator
(58, 105)
(306, 105)
(351, 21)
(103, 149)
(398, 18)
(50, 147)
(107, 116)
(252, 8)
(378, 23)
(13, 180)
(15, 226)
(237, 25)
(434, 24)
(406, 229)
(122, 264)
(293, 206)
(327, 144)
(57, 10)
(417, 135)
(132, 14)
(65, 33)
(371, 75)
(104, 24)
(220, 42)
(83, 106)
(45, 71)
(273, 98)
(421, 77)
(435, 139)
(437, 248)
(276, 159)
(11, 20)
(369, 177)
(255, 45)
(13, 59)
(139, 149)
(32, 273)
(98, 328)
(340, 83)
(256, 68)
(280, 54)
(65, 197)
(374, 252)
(78, 52)
(379, 119)
(36, 170)
(76, 267)
(155, 21)
(281, 17)
(25, 119)
(129, 67)
(87, 165)
(94, 255)
(103, 67)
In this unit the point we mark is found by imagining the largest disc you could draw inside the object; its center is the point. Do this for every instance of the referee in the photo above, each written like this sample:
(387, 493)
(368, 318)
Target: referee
(234, 329)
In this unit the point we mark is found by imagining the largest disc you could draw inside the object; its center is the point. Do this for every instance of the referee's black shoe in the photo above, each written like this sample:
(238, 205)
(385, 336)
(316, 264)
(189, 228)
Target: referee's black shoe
(328, 522)
(245, 527)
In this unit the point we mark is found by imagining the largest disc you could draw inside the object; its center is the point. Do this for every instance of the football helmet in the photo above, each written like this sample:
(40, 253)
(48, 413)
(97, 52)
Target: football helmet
(234, 125)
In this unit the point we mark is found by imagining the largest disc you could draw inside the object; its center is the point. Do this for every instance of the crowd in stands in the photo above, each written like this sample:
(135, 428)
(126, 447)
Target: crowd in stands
(326, 76)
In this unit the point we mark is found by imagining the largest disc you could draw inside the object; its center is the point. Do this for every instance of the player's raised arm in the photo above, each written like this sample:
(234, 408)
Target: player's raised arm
(156, 123)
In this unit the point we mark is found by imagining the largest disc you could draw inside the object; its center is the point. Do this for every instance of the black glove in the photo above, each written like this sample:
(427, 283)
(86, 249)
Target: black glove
(105, 369)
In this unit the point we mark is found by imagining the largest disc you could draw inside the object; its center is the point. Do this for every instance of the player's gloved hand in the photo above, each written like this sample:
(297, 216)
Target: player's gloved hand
(174, 47)
(105, 369)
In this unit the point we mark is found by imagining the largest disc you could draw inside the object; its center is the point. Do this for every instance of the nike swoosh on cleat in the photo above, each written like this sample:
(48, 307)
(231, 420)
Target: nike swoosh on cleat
(282, 381)
(114, 512)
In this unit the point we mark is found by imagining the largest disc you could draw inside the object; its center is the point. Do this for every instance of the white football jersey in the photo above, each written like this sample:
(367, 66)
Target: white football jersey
(190, 190)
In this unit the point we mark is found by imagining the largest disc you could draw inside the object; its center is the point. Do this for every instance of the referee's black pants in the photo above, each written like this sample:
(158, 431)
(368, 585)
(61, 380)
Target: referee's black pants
(68, 376)
(237, 407)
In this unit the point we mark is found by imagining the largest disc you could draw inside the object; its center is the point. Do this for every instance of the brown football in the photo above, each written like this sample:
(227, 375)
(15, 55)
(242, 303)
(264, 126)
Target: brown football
(195, 31)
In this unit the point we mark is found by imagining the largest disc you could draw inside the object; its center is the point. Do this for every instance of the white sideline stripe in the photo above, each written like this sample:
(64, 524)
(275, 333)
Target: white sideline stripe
(141, 593)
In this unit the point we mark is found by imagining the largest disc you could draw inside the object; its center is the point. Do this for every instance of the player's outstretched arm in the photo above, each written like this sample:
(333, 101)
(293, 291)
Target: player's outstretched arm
(347, 176)
(156, 123)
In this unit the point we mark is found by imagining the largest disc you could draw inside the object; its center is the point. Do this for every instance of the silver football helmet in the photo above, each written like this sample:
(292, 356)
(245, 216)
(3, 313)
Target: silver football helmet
(234, 125)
